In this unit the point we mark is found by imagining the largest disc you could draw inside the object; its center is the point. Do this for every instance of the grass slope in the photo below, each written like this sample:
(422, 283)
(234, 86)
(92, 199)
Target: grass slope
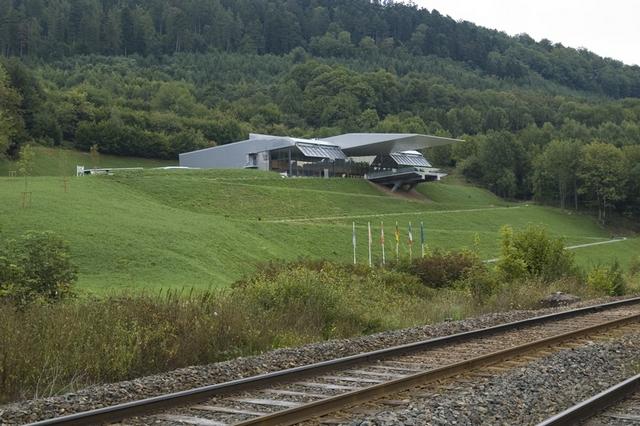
(206, 228)
(63, 162)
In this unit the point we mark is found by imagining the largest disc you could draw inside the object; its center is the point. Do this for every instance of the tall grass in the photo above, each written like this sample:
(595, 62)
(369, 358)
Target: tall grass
(53, 348)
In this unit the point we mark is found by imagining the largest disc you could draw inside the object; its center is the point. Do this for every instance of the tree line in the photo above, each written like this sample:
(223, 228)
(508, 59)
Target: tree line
(327, 28)
(528, 133)
(520, 142)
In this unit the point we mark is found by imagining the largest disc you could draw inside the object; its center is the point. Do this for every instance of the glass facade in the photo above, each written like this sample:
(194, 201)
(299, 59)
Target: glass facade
(310, 160)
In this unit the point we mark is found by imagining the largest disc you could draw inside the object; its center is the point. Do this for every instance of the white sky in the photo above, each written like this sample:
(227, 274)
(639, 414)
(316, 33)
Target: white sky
(609, 28)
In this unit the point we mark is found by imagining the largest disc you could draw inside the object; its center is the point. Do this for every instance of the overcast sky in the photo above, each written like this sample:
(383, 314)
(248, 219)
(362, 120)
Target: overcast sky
(609, 28)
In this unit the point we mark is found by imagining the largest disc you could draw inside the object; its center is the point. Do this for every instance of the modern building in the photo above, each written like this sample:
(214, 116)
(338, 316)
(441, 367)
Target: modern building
(389, 158)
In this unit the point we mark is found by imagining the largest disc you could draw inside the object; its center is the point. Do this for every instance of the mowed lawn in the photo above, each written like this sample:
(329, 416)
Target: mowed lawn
(63, 162)
(183, 229)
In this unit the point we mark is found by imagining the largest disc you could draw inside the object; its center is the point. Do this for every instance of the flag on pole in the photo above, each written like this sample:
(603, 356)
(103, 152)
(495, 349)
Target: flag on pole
(410, 241)
(354, 243)
(397, 242)
(370, 241)
(382, 241)
(422, 237)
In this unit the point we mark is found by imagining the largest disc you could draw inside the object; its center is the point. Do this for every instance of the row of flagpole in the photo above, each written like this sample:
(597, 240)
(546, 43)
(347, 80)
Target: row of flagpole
(397, 237)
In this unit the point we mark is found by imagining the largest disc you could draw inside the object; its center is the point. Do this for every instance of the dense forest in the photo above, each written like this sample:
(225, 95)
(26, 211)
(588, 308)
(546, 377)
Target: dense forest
(60, 28)
(157, 77)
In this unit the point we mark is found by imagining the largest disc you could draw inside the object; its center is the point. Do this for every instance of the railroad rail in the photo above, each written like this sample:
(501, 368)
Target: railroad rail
(597, 404)
(297, 394)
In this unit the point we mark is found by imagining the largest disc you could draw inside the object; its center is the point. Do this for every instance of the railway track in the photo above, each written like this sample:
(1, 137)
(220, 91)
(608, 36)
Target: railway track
(297, 394)
(619, 404)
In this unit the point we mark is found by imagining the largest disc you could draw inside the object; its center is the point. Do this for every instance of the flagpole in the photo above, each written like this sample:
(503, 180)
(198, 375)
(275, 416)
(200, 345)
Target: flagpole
(370, 240)
(410, 243)
(397, 243)
(422, 237)
(382, 241)
(354, 242)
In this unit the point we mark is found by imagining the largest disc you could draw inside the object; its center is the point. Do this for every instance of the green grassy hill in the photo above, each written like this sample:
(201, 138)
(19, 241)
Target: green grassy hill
(206, 228)
(63, 162)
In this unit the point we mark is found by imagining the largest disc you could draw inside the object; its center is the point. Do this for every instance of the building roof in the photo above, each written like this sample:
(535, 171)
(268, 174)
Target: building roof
(258, 143)
(409, 158)
(362, 144)
(337, 147)
(290, 140)
(314, 150)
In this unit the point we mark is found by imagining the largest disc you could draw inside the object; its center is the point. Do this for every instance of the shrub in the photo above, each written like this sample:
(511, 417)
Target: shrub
(532, 253)
(58, 347)
(36, 266)
(607, 279)
(634, 266)
(272, 268)
(331, 299)
(442, 268)
(481, 284)
(300, 295)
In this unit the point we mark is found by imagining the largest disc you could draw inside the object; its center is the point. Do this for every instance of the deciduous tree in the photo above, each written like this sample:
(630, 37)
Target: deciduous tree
(603, 176)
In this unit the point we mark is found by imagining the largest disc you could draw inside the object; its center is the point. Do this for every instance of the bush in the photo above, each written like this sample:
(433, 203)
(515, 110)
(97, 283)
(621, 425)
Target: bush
(36, 266)
(301, 295)
(607, 279)
(634, 266)
(59, 347)
(481, 284)
(326, 298)
(532, 253)
(442, 268)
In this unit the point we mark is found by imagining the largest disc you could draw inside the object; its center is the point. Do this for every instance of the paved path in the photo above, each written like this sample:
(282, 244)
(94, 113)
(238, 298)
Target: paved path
(615, 240)
(417, 212)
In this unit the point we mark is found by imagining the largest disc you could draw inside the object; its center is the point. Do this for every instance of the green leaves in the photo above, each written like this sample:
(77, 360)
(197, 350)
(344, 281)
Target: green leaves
(532, 253)
(36, 266)
(607, 279)
(603, 175)
(11, 123)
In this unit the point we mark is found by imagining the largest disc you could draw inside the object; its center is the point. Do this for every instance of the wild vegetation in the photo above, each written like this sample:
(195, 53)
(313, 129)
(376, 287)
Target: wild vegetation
(54, 347)
(37, 266)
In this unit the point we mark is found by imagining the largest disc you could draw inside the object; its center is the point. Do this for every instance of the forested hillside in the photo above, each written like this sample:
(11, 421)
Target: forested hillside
(157, 77)
(55, 29)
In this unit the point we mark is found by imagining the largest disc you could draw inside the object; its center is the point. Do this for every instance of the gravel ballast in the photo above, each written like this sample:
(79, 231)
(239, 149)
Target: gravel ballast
(523, 396)
(104, 395)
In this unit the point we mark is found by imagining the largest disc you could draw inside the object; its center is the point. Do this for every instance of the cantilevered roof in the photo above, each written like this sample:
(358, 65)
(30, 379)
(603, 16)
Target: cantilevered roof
(361, 144)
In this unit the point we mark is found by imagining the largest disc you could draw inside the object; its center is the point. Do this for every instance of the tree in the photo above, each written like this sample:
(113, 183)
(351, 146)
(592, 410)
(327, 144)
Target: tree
(336, 97)
(174, 96)
(559, 163)
(367, 45)
(11, 121)
(368, 120)
(632, 157)
(495, 119)
(501, 160)
(532, 253)
(603, 175)
(36, 266)
(418, 41)
(5, 133)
